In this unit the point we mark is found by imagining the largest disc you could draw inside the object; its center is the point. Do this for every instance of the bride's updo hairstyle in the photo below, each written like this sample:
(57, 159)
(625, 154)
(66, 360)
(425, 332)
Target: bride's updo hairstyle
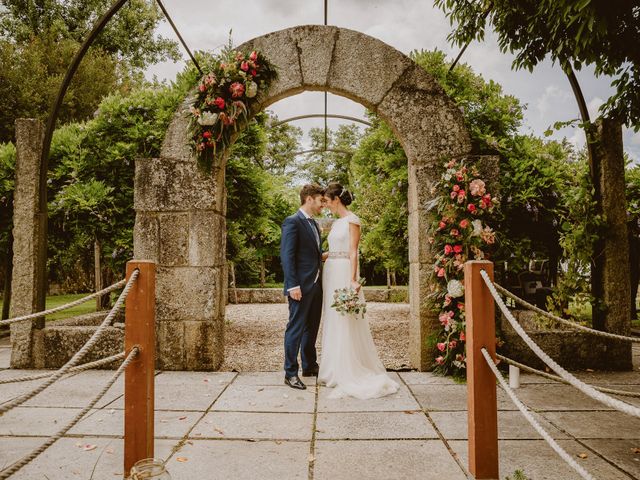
(336, 190)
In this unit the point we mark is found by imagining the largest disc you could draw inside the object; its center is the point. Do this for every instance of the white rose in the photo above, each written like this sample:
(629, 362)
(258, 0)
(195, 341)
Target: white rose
(477, 227)
(252, 89)
(455, 288)
(208, 118)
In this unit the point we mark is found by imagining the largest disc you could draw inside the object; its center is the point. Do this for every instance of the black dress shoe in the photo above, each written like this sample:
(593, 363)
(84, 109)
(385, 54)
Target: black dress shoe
(310, 373)
(295, 382)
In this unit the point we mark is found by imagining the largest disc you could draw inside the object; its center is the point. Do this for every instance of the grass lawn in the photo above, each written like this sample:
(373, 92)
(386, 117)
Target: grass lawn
(57, 300)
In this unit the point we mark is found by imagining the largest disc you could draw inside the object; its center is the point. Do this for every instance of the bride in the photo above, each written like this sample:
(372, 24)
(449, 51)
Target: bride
(350, 362)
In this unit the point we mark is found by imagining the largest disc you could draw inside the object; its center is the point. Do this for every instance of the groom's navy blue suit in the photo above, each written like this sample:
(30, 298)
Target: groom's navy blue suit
(301, 257)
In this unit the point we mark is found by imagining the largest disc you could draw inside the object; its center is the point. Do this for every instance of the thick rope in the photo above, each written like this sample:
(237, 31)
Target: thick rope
(572, 380)
(7, 472)
(79, 368)
(529, 369)
(80, 301)
(564, 321)
(80, 354)
(531, 419)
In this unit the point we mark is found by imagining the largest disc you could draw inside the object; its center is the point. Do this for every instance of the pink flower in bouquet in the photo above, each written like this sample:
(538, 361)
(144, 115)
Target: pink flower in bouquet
(200, 147)
(447, 300)
(441, 346)
(461, 196)
(444, 318)
(485, 202)
(239, 56)
(219, 102)
(488, 235)
(472, 208)
(460, 306)
(456, 188)
(459, 176)
(223, 65)
(441, 225)
(253, 56)
(453, 195)
(440, 360)
(457, 248)
(441, 272)
(202, 87)
(450, 164)
(477, 187)
(226, 119)
(463, 337)
(454, 232)
(244, 66)
(464, 223)
(448, 249)
(452, 344)
(254, 72)
(236, 89)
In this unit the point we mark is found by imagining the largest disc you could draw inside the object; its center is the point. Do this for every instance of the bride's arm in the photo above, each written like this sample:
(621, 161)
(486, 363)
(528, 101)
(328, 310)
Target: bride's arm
(354, 235)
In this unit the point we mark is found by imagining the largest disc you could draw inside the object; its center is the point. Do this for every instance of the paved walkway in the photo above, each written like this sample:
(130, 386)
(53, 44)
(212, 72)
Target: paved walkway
(249, 426)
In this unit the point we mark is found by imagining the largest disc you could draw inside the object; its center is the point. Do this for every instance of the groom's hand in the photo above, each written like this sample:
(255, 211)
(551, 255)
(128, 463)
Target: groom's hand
(296, 294)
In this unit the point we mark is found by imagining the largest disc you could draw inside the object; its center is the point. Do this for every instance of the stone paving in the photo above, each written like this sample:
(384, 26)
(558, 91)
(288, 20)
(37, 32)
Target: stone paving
(230, 425)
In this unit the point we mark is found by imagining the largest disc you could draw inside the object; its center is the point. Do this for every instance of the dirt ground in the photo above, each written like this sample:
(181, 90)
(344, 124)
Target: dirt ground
(254, 335)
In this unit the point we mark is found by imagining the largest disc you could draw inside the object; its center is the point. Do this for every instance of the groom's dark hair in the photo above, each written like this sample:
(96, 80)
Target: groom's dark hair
(310, 190)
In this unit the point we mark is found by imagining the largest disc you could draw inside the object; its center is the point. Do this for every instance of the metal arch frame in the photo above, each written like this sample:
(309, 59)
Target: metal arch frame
(319, 115)
(323, 150)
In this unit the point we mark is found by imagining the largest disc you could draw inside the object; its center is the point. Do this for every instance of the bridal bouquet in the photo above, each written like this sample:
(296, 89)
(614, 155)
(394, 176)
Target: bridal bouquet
(347, 301)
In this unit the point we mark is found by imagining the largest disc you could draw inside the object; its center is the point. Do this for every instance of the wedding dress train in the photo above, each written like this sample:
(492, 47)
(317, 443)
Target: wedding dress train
(349, 361)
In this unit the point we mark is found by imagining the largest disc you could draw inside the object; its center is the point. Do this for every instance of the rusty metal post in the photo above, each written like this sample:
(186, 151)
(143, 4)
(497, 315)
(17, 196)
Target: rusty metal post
(139, 375)
(482, 402)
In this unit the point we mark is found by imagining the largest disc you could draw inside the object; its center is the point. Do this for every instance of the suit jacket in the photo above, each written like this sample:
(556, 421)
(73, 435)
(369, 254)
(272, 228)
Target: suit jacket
(300, 255)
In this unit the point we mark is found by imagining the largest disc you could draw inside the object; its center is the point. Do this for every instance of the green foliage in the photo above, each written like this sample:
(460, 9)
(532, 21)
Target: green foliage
(517, 475)
(589, 32)
(7, 169)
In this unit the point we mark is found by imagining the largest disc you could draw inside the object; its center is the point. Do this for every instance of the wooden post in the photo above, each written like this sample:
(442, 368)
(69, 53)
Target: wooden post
(139, 375)
(482, 402)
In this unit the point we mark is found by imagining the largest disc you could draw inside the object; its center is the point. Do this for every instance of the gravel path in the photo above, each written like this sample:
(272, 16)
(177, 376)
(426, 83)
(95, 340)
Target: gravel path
(254, 335)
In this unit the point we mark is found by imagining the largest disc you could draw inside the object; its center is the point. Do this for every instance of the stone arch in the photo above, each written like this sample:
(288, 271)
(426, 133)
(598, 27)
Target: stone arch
(180, 212)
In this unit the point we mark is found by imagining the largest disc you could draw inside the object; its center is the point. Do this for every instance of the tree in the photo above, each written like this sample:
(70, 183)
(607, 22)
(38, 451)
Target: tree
(588, 32)
(283, 142)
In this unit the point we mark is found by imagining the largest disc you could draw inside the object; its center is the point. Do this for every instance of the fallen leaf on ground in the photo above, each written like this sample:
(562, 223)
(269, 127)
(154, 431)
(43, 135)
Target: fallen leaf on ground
(183, 418)
(583, 455)
(88, 447)
(189, 442)
(206, 380)
(635, 450)
(251, 440)
(408, 412)
(219, 431)
(182, 459)
(109, 450)
(261, 389)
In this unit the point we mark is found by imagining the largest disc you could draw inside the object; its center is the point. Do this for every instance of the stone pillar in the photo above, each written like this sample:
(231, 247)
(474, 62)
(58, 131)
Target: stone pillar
(29, 242)
(180, 224)
(616, 288)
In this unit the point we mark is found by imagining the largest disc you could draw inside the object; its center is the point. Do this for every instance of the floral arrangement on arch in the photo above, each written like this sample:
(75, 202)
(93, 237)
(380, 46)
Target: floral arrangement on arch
(224, 98)
(459, 233)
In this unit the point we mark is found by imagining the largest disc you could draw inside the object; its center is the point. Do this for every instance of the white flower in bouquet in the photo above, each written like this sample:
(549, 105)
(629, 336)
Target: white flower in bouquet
(208, 118)
(455, 288)
(477, 227)
(252, 89)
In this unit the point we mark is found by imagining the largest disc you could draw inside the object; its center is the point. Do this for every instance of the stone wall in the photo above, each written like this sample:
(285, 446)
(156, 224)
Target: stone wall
(274, 295)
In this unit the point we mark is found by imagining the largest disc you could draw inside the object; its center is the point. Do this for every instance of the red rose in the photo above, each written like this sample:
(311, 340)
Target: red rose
(236, 89)
(462, 337)
(254, 72)
(219, 101)
(448, 249)
(471, 207)
(254, 56)
(460, 306)
(441, 225)
(457, 249)
(244, 66)
(206, 135)
(203, 87)
(464, 223)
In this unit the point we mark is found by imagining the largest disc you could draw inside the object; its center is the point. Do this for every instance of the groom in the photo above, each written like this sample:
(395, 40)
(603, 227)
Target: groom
(301, 257)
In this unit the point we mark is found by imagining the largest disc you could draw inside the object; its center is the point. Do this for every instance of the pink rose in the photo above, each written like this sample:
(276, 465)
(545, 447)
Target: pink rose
(456, 188)
(471, 207)
(460, 306)
(440, 360)
(453, 195)
(477, 187)
(254, 56)
(447, 300)
(452, 344)
(441, 346)
(441, 225)
(202, 87)
(219, 102)
(236, 89)
(457, 249)
(464, 223)
(444, 318)
(448, 249)
(244, 66)
(441, 273)
(206, 135)
(254, 72)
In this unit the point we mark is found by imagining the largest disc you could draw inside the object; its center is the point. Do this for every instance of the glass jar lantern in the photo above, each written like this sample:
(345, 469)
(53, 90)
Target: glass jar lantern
(149, 468)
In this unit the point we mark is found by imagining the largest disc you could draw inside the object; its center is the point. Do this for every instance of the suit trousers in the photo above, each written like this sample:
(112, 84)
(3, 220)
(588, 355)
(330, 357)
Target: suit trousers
(302, 331)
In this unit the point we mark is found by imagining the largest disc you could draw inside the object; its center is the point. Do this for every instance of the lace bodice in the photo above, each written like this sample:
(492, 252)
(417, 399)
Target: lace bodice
(339, 234)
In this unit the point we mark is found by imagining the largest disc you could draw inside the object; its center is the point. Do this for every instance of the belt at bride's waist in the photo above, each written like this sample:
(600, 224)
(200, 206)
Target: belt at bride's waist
(339, 255)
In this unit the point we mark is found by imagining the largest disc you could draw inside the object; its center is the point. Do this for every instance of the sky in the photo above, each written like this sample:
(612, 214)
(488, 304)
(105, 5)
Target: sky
(405, 25)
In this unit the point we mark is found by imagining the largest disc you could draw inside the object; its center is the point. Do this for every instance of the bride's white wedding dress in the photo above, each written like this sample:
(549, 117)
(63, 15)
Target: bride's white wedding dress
(349, 361)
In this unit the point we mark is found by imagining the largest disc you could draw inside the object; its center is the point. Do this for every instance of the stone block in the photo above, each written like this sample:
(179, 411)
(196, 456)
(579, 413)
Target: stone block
(163, 184)
(207, 239)
(169, 345)
(60, 343)
(422, 180)
(420, 230)
(423, 321)
(176, 140)
(429, 125)
(315, 46)
(174, 239)
(203, 345)
(281, 50)
(146, 234)
(189, 293)
(354, 56)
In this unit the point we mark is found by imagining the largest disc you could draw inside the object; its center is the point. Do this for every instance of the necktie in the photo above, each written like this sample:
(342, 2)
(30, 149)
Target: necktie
(315, 230)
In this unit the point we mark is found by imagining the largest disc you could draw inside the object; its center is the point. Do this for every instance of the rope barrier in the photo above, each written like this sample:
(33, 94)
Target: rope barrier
(6, 473)
(564, 321)
(80, 368)
(572, 380)
(529, 369)
(80, 301)
(79, 355)
(532, 420)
